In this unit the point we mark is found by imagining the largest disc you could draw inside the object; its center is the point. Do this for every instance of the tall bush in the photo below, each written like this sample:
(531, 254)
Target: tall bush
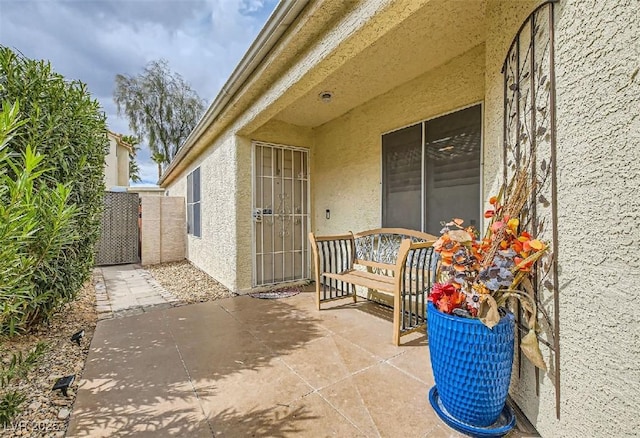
(37, 228)
(68, 129)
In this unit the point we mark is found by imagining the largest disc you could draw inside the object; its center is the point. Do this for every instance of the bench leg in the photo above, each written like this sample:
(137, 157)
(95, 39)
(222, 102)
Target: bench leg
(318, 294)
(396, 318)
(353, 291)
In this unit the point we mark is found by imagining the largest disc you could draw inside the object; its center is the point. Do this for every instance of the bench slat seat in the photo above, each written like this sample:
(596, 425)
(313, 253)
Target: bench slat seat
(369, 280)
(394, 261)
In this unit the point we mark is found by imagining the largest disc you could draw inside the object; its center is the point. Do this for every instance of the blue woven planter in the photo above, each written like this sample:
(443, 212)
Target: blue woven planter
(471, 365)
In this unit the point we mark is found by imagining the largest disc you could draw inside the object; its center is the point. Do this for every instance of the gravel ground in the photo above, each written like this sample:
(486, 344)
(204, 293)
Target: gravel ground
(188, 283)
(46, 413)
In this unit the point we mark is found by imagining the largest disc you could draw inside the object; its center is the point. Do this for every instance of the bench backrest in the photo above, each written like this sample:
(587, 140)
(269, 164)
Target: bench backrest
(379, 248)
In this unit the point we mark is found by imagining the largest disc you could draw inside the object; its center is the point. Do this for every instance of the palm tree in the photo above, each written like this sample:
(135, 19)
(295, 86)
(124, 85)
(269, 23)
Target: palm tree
(159, 158)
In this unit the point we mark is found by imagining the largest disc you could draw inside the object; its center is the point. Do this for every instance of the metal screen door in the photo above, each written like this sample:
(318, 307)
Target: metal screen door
(280, 214)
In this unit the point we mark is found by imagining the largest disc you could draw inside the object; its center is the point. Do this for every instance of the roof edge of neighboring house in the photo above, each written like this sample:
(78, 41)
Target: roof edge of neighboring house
(121, 142)
(279, 21)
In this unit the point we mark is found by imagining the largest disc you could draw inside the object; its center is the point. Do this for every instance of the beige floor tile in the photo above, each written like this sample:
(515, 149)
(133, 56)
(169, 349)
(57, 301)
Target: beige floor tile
(416, 362)
(308, 417)
(284, 332)
(443, 431)
(245, 302)
(248, 391)
(328, 360)
(135, 383)
(383, 401)
(272, 311)
(220, 356)
(202, 321)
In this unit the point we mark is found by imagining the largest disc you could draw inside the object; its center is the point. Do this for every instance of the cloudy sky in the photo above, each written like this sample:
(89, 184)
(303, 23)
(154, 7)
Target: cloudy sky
(93, 40)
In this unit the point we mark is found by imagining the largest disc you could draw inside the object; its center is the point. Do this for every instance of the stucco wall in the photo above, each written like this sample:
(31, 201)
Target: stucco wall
(123, 166)
(598, 132)
(346, 158)
(163, 229)
(598, 123)
(111, 165)
(215, 252)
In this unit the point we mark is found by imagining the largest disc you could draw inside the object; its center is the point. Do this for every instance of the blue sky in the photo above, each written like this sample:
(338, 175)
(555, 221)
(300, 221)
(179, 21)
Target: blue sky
(93, 40)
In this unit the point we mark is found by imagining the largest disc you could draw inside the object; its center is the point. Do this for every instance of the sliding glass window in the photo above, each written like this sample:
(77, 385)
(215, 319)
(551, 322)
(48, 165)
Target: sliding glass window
(431, 172)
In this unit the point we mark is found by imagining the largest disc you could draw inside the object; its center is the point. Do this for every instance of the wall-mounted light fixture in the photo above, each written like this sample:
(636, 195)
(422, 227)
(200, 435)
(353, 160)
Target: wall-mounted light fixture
(325, 96)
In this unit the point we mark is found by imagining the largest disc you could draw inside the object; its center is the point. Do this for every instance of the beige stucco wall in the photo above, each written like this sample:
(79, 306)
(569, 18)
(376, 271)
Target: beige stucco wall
(598, 132)
(216, 251)
(163, 229)
(146, 190)
(346, 159)
(111, 165)
(598, 213)
(116, 165)
(123, 166)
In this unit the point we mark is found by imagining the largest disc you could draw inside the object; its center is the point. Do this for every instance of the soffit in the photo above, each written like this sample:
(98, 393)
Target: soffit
(436, 33)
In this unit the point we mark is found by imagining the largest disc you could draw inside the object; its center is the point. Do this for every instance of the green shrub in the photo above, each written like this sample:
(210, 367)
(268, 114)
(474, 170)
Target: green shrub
(66, 126)
(17, 367)
(37, 227)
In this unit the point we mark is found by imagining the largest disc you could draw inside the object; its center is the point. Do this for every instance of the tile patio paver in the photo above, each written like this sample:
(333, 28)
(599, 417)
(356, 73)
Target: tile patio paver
(248, 367)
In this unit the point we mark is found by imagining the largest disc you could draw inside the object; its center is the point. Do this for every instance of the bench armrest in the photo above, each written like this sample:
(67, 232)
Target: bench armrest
(332, 254)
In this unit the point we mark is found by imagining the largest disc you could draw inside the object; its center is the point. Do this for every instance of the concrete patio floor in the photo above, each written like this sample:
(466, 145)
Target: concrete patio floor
(251, 367)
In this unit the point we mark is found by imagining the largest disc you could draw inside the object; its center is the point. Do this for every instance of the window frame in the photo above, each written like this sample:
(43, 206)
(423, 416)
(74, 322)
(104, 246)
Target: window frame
(423, 123)
(194, 203)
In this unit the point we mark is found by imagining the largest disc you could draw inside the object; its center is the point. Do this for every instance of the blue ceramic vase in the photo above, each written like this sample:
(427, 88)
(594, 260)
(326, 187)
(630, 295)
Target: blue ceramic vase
(471, 365)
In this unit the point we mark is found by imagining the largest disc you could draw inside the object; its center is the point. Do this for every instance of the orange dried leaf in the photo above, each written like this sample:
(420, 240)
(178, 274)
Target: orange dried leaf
(536, 244)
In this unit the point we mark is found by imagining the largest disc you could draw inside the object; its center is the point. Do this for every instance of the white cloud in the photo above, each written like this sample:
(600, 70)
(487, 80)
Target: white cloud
(92, 41)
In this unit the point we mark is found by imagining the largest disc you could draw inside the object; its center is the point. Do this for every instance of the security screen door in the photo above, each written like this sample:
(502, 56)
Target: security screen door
(280, 214)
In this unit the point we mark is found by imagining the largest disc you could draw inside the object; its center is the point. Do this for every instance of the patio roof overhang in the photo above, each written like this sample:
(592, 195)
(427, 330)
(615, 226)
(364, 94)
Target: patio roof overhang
(356, 50)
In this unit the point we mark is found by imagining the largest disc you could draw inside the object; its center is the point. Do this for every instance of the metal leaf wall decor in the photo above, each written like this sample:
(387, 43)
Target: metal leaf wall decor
(529, 135)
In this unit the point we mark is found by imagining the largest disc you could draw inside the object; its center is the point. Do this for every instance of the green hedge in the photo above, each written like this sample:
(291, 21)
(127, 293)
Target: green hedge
(58, 148)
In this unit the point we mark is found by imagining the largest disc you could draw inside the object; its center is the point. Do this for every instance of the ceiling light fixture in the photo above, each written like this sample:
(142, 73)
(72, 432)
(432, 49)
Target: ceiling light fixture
(326, 96)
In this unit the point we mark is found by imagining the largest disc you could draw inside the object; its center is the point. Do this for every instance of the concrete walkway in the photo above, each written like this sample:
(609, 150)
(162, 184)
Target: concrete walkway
(128, 290)
(247, 367)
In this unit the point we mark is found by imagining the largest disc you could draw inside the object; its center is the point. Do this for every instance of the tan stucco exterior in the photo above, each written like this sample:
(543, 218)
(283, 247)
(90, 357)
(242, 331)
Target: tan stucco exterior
(346, 159)
(163, 229)
(116, 164)
(346, 49)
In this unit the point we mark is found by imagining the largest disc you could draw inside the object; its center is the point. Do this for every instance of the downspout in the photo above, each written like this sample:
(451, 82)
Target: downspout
(282, 17)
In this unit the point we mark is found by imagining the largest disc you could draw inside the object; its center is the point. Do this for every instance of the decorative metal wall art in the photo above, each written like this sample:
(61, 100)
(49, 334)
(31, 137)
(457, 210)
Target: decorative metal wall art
(529, 135)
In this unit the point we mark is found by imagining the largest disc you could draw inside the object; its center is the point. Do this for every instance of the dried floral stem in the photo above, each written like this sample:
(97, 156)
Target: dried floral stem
(518, 192)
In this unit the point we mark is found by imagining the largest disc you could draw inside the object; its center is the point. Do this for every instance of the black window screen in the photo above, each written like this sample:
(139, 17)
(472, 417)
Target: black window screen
(402, 178)
(193, 203)
(452, 168)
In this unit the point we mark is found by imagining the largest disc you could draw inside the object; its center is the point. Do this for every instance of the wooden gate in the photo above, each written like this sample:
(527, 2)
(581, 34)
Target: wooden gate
(119, 240)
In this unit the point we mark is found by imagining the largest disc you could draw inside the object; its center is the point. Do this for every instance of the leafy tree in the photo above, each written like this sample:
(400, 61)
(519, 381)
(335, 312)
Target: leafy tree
(161, 108)
(134, 168)
(52, 199)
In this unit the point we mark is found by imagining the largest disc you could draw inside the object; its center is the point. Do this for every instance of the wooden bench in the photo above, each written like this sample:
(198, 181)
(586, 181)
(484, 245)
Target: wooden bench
(392, 261)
